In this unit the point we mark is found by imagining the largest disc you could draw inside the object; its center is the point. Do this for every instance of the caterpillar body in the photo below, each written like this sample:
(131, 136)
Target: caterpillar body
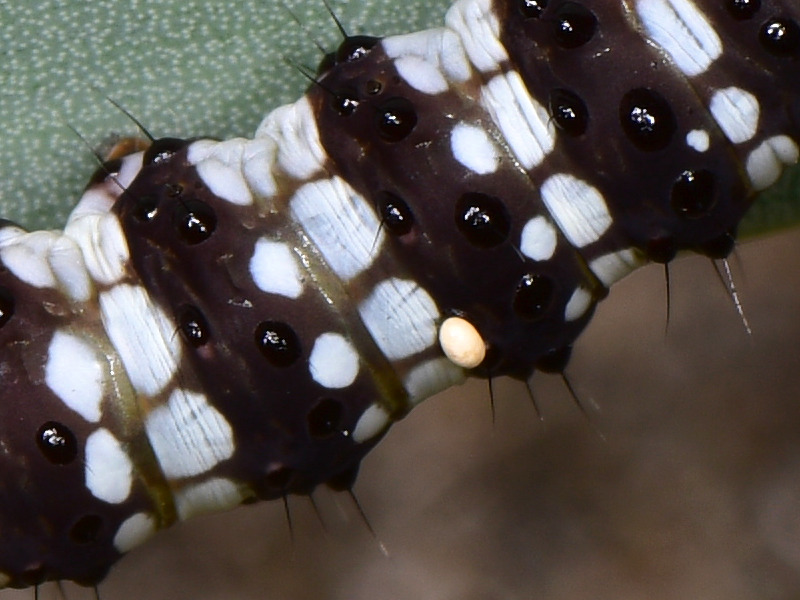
(221, 322)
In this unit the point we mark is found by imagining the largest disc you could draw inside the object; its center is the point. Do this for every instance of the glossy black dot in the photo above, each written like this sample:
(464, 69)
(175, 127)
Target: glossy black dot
(355, 47)
(345, 103)
(344, 480)
(57, 443)
(555, 361)
(719, 247)
(86, 530)
(373, 87)
(661, 248)
(396, 216)
(647, 119)
(742, 9)
(780, 37)
(694, 194)
(145, 208)
(569, 112)
(533, 296)
(279, 478)
(395, 119)
(278, 343)
(7, 305)
(325, 418)
(574, 25)
(482, 219)
(193, 325)
(531, 9)
(194, 220)
(163, 149)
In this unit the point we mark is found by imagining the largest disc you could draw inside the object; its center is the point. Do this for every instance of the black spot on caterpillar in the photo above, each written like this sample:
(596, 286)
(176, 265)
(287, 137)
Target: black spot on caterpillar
(533, 492)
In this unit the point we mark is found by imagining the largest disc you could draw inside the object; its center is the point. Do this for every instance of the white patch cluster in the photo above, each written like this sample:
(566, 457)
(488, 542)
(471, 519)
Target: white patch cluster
(421, 75)
(371, 422)
(472, 147)
(479, 29)
(341, 223)
(26, 258)
(401, 317)
(612, 267)
(578, 304)
(211, 495)
(736, 112)
(682, 31)
(698, 140)
(333, 362)
(143, 336)
(766, 162)
(274, 269)
(75, 372)
(440, 47)
(431, 377)
(539, 239)
(134, 530)
(108, 469)
(293, 129)
(219, 165)
(188, 435)
(524, 123)
(579, 208)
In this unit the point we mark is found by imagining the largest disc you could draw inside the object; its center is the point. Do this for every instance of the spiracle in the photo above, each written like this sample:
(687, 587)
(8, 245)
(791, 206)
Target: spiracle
(222, 322)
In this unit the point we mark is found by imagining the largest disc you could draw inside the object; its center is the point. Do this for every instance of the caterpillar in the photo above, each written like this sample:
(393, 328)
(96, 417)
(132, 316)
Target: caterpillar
(514, 366)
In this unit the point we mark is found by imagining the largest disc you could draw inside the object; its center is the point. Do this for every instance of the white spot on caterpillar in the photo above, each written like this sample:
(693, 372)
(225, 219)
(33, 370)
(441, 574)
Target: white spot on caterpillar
(698, 140)
(143, 336)
(109, 472)
(736, 112)
(401, 317)
(293, 128)
(524, 123)
(97, 231)
(473, 149)
(75, 373)
(188, 435)
(421, 75)
(372, 421)
(66, 262)
(765, 163)
(578, 208)
(440, 46)
(134, 530)
(431, 377)
(461, 343)
(539, 238)
(578, 304)
(211, 495)
(274, 269)
(479, 30)
(612, 267)
(26, 257)
(682, 32)
(341, 223)
(333, 362)
(219, 165)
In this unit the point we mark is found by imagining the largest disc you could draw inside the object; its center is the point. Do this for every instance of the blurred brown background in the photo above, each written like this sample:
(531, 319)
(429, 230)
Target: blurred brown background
(695, 492)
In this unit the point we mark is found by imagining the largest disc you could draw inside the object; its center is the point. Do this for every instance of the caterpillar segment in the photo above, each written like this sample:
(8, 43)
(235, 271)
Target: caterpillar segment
(228, 321)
